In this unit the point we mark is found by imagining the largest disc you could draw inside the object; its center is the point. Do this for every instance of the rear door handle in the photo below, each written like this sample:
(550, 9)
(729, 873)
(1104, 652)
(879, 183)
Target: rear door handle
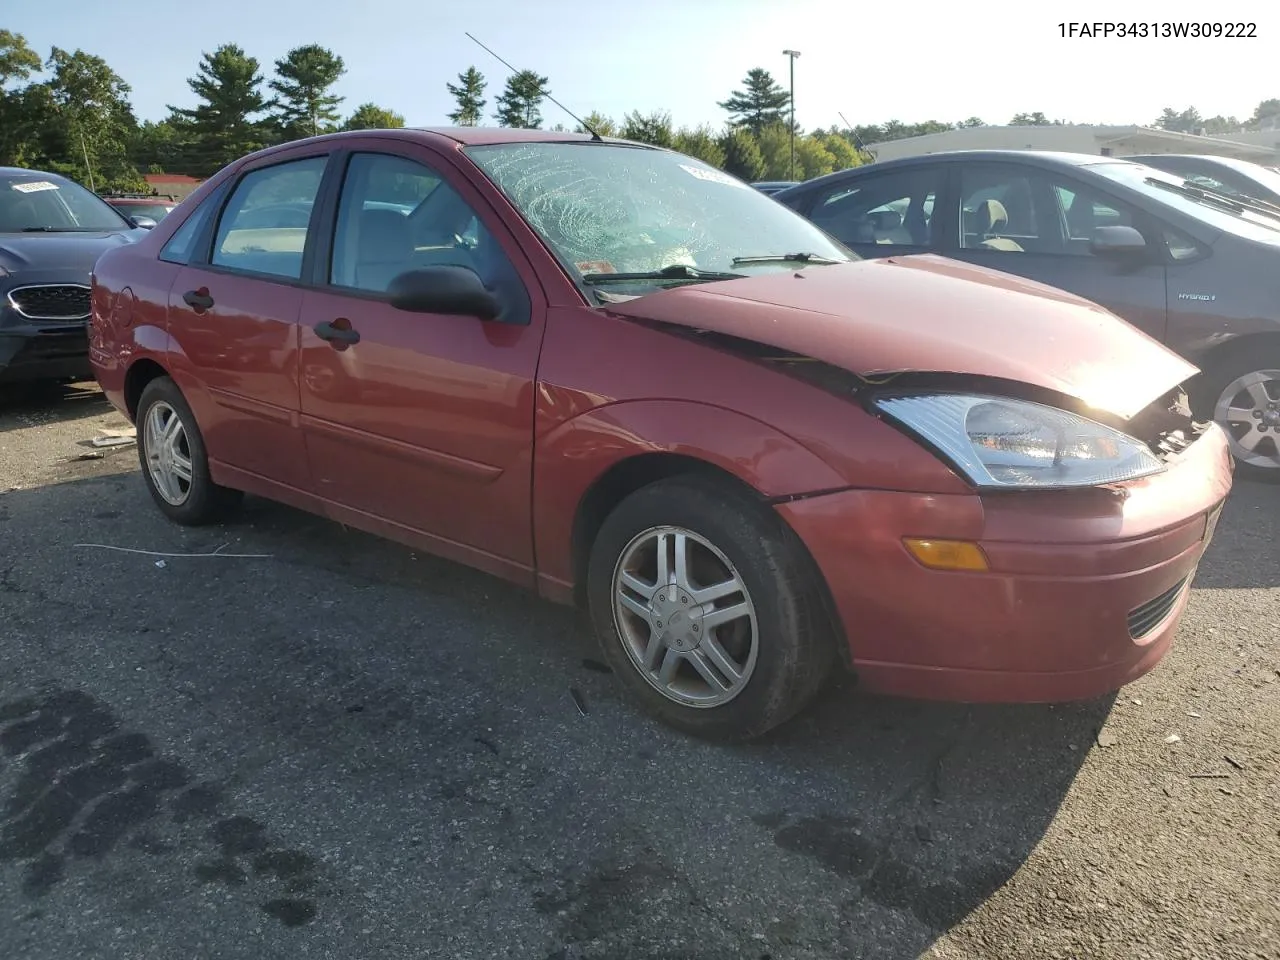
(339, 331)
(198, 300)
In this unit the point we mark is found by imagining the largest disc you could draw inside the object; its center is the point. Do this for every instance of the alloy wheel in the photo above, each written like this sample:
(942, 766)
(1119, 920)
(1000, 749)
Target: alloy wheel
(1249, 411)
(168, 453)
(685, 617)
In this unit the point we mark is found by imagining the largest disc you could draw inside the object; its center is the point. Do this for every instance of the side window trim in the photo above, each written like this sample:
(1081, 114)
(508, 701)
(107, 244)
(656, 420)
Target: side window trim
(202, 256)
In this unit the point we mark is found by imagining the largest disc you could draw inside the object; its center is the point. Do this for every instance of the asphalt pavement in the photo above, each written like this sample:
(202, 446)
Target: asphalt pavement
(317, 744)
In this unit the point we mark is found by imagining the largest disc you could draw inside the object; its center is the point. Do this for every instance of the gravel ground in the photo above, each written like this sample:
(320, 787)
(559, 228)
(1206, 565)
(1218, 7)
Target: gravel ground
(342, 749)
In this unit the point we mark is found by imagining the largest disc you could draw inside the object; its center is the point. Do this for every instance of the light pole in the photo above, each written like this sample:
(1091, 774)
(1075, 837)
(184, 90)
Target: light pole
(793, 54)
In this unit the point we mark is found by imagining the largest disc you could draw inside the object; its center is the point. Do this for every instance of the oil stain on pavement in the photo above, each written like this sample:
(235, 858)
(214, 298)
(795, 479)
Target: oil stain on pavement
(81, 789)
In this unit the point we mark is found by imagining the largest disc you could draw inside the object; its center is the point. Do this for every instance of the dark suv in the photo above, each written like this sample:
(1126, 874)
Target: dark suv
(52, 231)
(1193, 268)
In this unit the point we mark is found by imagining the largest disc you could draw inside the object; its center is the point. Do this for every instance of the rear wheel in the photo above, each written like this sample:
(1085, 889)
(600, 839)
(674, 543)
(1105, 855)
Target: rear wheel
(708, 609)
(1242, 394)
(175, 465)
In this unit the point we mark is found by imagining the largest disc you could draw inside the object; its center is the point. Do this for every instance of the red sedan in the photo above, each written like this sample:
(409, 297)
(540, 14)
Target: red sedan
(623, 379)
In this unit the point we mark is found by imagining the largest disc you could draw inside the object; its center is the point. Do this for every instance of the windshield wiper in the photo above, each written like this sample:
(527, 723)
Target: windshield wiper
(63, 230)
(1236, 205)
(675, 271)
(785, 258)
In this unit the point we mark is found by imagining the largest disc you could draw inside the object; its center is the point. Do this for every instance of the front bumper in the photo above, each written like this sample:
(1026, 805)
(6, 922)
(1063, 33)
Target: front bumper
(1084, 592)
(32, 350)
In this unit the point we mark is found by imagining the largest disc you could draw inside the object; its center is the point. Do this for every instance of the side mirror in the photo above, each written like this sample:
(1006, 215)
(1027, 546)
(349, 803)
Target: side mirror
(1117, 242)
(145, 223)
(443, 289)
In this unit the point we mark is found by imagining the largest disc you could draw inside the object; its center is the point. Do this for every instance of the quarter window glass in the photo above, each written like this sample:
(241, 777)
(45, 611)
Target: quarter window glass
(893, 209)
(396, 214)
(180, 247)
(264, 225)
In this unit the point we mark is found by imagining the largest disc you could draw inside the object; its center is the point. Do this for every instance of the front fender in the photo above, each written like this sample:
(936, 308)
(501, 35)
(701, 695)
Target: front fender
(574, 454)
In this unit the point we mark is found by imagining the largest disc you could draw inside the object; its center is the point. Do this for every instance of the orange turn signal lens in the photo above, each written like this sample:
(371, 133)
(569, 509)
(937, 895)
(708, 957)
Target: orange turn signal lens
(948, 554)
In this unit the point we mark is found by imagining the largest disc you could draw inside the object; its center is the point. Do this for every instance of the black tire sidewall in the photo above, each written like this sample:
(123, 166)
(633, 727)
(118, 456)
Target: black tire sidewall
(206, 500)
(790, 660)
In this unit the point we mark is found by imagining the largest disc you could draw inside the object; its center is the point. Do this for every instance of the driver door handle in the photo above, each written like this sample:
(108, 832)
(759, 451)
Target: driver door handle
(337, 331)
(198, 300)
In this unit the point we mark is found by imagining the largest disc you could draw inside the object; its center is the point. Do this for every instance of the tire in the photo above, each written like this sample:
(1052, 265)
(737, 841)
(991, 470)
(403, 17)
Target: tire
(199, 500)
(1225, 383)
(784, 621)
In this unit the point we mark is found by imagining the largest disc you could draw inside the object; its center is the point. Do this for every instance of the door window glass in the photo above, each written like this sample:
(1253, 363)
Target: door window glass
(894, 208)
(264, 225)
(396, 214)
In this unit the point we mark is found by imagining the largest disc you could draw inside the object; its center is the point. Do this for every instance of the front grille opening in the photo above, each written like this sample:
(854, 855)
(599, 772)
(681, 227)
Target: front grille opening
(1145, 618)
(53, 301)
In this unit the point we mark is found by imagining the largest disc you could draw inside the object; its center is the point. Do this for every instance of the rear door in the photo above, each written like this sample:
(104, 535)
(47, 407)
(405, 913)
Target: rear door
(233, 320)
(881, 214)
(1039, 224)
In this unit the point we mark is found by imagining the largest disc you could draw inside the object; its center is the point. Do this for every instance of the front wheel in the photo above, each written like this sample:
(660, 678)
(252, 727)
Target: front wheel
(1242, 395)
(708, 609)
(175, 465)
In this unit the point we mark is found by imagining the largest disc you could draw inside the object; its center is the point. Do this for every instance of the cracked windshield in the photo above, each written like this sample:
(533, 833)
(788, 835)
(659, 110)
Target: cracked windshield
(609, 209)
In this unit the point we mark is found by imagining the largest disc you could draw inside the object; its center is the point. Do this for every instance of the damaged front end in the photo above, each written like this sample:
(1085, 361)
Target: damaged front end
(1030, 437)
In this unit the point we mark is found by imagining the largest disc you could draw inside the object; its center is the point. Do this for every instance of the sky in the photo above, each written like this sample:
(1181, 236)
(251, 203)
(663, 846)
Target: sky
(871, 62)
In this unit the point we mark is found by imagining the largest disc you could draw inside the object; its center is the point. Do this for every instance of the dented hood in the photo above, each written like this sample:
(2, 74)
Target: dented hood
(929, 314)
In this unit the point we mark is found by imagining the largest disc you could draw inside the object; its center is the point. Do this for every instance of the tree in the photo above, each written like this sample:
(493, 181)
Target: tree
(157, 147)
(521, 99)
(1266, 114)
(1036, 119)
(599, 123)
(701, 143)
(1185, 121)
(971, 122)
(20, 110)
(93, 123)
(370, 116)
(761, 102)
(742, 156)
(17, 60)
(468, 93)
(843, 153)
(653, 128)
(774, 144)
(223, 127)
(304, 77)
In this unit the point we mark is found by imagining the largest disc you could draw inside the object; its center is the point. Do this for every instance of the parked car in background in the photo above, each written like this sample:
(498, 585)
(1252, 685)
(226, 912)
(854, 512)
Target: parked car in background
(1192, 268)
(51, 232)
(618, 376)
(1238, 178)
(146, 210)
(771, 187)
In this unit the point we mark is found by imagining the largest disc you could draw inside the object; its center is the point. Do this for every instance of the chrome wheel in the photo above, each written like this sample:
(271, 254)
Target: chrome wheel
(168, 453)
(685, 618)
(1248, 409)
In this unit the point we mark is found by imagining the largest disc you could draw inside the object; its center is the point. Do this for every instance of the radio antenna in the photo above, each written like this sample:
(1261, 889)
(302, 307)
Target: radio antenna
(581, 122)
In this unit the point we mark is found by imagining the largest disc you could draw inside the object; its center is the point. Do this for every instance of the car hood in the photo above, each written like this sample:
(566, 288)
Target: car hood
(75, 252)
(926, 313)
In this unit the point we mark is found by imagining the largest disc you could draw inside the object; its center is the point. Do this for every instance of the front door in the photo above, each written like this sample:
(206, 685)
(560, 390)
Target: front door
(1039, 224)
(426, 420)
(234, 323)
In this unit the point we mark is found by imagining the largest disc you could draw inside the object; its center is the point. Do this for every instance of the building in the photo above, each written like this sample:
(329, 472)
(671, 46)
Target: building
(176, 185)
(1106, 141)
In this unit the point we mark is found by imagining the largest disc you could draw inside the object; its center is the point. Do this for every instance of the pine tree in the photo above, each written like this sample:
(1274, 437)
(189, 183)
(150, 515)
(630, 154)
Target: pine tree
(762, 102)
(468, 92)
(519, 103)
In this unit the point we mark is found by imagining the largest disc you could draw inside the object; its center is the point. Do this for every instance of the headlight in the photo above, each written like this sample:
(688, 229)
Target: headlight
(1006, 444)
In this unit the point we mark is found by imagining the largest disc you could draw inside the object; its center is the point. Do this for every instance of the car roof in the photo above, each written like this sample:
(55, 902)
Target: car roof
(477, 136)
(1049, 159)
(11, 171)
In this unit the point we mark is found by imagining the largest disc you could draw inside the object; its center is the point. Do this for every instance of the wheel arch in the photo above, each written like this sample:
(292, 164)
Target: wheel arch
(140, 373)
(636, 472)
